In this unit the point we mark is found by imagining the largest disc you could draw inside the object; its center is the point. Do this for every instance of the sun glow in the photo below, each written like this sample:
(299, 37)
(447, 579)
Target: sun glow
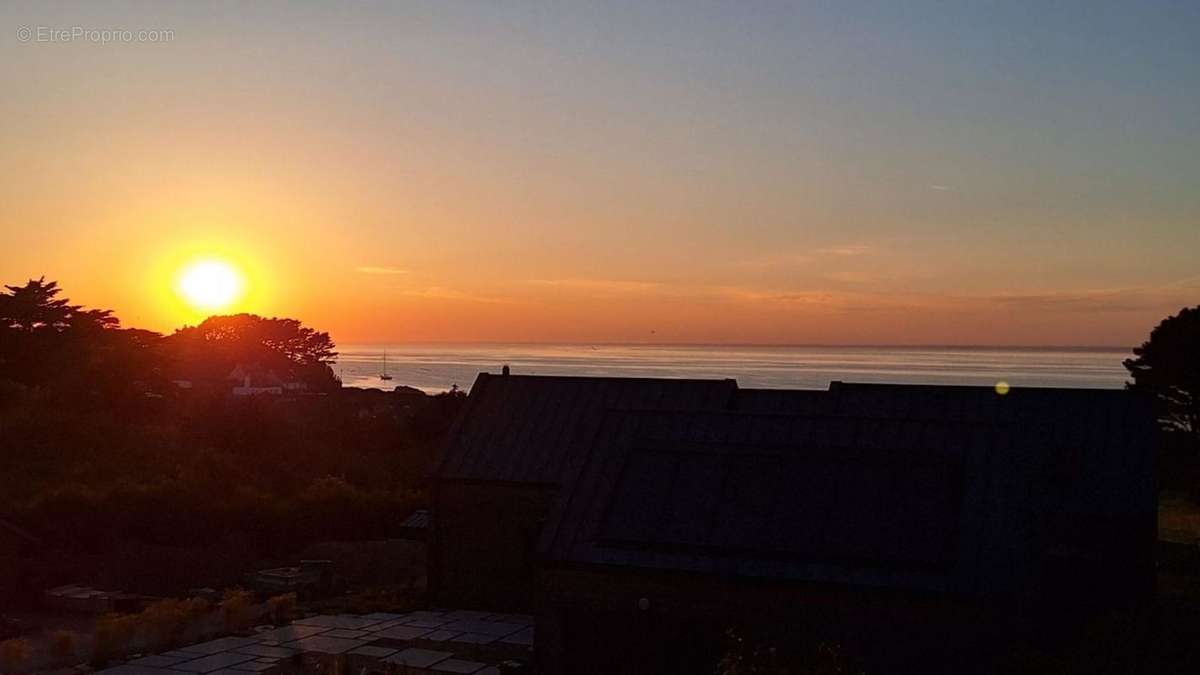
(211, 285)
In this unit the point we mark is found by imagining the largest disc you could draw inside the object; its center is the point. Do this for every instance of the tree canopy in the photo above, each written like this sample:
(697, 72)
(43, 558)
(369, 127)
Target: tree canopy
(36, 307)
(44, 338)
(1168, 367)
(221, 343)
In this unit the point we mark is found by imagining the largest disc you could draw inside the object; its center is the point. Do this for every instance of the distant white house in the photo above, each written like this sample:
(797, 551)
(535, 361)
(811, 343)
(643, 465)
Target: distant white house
(257, 381)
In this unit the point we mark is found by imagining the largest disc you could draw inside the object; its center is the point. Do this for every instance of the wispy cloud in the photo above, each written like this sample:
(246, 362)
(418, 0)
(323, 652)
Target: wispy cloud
(447, 293)
(599, 285)
(809, 257)
(375, 269)
(849, 250)
(789, 260)
(941, 188)
(1162, 296)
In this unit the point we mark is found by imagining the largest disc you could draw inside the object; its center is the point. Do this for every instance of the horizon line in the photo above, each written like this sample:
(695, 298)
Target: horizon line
(531, 343)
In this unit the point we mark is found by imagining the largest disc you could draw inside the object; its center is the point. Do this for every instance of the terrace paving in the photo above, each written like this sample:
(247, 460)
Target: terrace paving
(253, 666)
(346, 633)
(325, 644)
(385, 637)
(214, 662)
(162, 660)
(418, 658)
(374, 652)
(458, 666)
(441, 635)
(338, 621)
(403, 632)
(222, 645)
(384, 616)
(261, 650)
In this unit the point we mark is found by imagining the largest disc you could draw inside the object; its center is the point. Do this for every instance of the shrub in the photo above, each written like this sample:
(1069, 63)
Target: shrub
(166, 620)
(235, 605)
(112, 637)
(14, 654)
(64, 645)
(281, 607)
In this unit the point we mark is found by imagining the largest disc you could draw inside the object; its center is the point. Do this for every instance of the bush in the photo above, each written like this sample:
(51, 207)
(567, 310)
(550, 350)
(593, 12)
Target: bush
(281, 607)
(112, 637)
(166, 620)
(14, 655)
(235, 605)
(64, 645)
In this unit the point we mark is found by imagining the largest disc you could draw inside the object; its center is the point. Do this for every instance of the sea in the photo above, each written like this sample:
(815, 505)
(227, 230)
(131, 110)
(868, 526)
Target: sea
(436, 368)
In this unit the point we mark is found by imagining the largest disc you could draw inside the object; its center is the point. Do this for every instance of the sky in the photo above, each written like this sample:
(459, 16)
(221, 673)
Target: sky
(1000, 173)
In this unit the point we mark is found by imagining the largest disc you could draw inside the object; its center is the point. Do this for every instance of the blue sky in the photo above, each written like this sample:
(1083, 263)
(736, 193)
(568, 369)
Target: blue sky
(812, 172)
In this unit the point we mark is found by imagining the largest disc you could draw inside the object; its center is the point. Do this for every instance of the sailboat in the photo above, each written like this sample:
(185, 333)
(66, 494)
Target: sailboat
(384, 375)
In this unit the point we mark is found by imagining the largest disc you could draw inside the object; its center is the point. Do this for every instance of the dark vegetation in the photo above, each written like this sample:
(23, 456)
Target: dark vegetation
(1168, 367)
(112, 473)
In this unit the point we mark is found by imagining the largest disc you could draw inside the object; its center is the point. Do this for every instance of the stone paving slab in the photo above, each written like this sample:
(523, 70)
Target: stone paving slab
(208, 664)
(222, 645)
(182, 653)
(266, 650)
(432, 622)
(524, 637)
(136, 670)
(338, 634)
(458, 666)
(288, 633)
(383, 626)
(383, 616)
(253, 666)
(426, 614)
(523, 619)
(374, 651)
(441, 635)
(337, 621)
(325, 645)
(418, 658)
(497, 628)
(160, 660)
(402, 633)
(346, 633)
(468, 615)
(476, 638)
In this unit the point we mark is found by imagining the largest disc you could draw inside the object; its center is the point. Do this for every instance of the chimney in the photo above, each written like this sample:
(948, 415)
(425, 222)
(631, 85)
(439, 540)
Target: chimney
(504, 370)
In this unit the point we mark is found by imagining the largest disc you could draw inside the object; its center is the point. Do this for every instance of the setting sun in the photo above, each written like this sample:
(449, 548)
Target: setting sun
(211, 285)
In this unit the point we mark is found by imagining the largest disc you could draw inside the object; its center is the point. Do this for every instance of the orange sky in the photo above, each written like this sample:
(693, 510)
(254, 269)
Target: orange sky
(439, 174)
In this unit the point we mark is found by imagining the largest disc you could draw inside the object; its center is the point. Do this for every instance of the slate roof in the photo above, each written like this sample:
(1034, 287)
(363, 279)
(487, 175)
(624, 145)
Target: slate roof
(924, 488)
(530, 429)
(914, 486)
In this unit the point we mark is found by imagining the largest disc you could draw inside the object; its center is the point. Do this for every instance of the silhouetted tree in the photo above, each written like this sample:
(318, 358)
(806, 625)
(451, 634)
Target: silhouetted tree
(35, 307)
(220, 343)
(44, 337)
(1168, 366)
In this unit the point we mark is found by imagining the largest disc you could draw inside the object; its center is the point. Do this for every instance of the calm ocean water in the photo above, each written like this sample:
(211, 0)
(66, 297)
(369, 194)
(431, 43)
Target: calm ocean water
(436, 367)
